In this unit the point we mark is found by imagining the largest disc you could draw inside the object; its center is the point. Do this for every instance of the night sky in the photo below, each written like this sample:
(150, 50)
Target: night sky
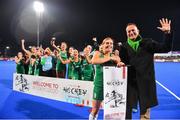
(77, 21)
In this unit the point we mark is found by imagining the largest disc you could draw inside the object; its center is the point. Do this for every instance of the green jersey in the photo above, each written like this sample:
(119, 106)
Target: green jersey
(20, 67)
(76, 70)
(59, 65)
(34, 69)
(98, 79)
(87, 71)
(70, 67)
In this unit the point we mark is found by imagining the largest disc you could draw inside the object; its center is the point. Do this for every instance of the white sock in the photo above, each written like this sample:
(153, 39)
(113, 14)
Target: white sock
(91, 117)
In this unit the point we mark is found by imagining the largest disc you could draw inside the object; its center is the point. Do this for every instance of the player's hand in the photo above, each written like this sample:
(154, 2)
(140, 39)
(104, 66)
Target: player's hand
(22, 40)
(52, 42)
(94, 39)
(114, 58)
(165, 25)
(120, 64)
(15, 58)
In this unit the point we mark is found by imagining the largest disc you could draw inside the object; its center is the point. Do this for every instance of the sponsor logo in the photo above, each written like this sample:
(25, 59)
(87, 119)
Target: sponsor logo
(74, 94)
(21, 83)
(114, 99)
(75, 91)
(115, 83)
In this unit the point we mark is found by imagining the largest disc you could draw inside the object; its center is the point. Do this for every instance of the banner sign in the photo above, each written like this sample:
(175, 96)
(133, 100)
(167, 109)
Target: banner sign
(66, 90)
(115, 87)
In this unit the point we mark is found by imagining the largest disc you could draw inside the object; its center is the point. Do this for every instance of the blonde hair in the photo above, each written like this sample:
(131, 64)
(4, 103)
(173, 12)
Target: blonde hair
(64, 43)
(107, 38)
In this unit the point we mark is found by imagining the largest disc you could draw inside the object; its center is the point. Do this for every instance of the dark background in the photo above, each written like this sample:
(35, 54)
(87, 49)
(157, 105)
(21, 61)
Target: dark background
(77, 21)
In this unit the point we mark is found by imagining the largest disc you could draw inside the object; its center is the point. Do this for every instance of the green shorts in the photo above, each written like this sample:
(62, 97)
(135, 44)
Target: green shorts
(98, 93)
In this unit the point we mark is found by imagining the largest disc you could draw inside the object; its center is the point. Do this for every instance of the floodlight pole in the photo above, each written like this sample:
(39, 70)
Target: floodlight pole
(38, 27)
(39, 8)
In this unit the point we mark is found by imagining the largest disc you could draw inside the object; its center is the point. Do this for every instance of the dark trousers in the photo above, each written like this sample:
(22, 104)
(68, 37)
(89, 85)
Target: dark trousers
(47, 73)
(132, 98)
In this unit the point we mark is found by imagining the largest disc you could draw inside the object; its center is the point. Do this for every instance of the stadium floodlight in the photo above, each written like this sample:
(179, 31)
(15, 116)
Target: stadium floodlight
(39, 9)
(7, 47)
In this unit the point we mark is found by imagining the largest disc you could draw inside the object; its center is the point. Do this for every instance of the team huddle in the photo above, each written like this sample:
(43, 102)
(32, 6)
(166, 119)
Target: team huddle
(58, 63)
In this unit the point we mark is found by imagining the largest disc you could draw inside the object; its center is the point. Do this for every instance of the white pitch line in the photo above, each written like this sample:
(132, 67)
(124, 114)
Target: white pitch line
(168, 90)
